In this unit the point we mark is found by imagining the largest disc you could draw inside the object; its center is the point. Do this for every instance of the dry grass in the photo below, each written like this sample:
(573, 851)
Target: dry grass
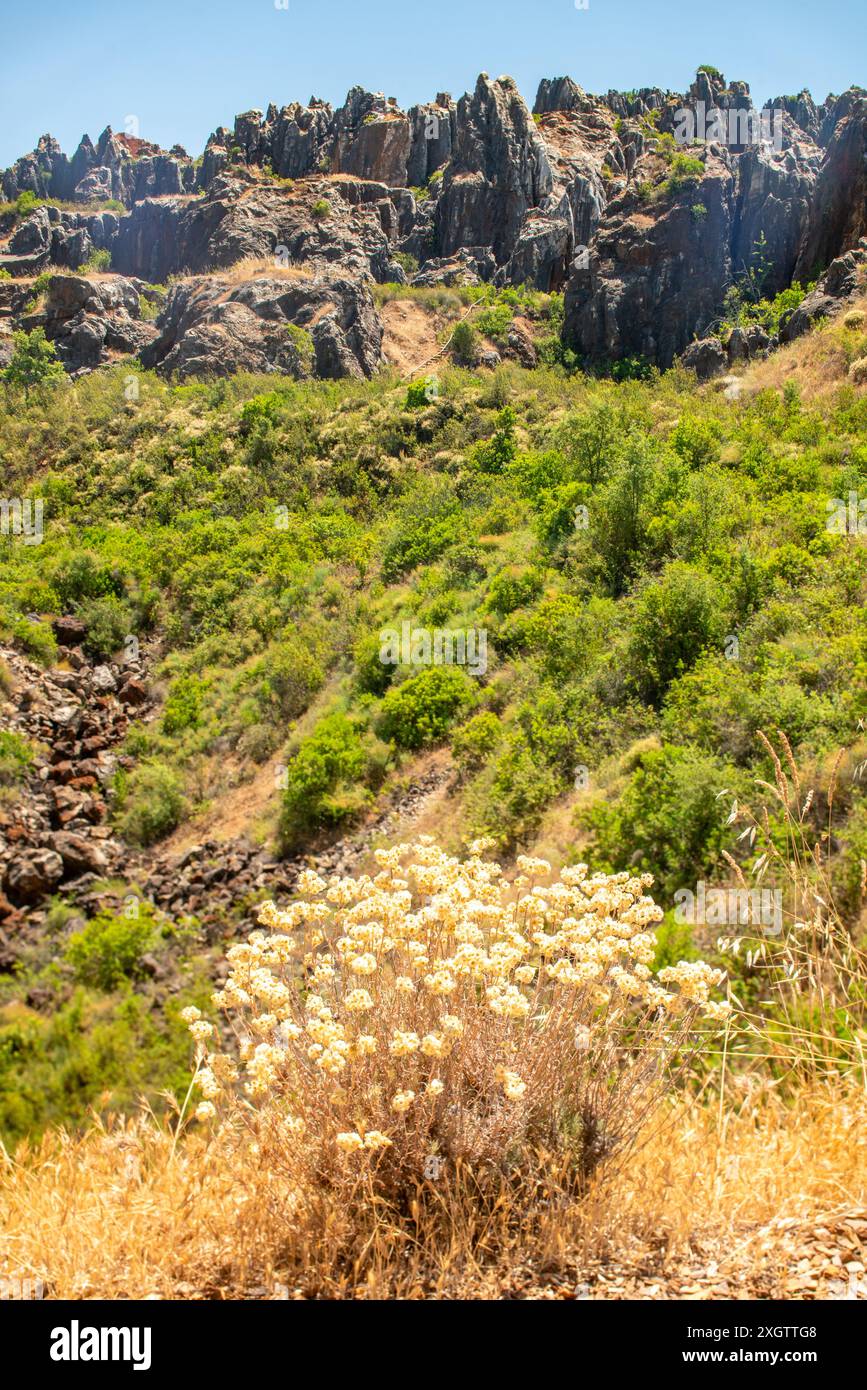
(124, 1212)
(256, 267)
(819, 361)
(750, 1181)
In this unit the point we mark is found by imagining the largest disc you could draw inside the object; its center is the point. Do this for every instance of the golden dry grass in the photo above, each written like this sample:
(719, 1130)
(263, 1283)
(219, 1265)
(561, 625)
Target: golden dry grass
(819, 361)
(124, 1212)
(255, 267)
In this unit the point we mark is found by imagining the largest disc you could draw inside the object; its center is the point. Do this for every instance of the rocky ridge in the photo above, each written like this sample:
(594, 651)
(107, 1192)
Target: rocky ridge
(582, 194)
(56, 836)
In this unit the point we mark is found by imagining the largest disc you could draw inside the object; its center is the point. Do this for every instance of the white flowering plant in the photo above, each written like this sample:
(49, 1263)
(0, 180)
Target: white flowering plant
(441, 1009)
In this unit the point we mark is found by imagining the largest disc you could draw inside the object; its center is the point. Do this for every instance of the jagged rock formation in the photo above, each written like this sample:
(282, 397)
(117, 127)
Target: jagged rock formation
(585, 194)
(208, 330)
(89, 320)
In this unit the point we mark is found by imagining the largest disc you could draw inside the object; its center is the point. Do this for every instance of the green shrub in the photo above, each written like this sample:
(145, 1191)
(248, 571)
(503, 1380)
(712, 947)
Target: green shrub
(494, 322)
(475, 741)
(96, 261)
(631, 368)
(676, 619)
(150, 802)
(496, 454)
(464, 344)
(54, 1069)
(183, 707)
(16, 758)
(304, 346)
(417, 395)
(668, 821)
(36, 639)
(109, 622)
(686, 170)
(108, 951)
(511, 589)
(430, 524)
(407, 263)
(321, 209)
(288, 678)
(33, 363)
(330, 778)
(373, 676)
(420, 711)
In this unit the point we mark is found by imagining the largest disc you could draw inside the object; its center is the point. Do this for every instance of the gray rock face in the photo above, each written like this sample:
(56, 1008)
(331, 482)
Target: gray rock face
(707, 358)
(840, 281)
(838, 211)
(499, 169)
(87, 319)
(653, 283)
(240, 218)
(118, 167)
(579, 196)
(209, 330)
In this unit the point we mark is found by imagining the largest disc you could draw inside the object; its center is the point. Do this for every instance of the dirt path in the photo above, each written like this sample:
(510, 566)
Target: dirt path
(410, 337)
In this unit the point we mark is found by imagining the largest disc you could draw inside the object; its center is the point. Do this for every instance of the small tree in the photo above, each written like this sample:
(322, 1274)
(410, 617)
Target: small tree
(34, 361)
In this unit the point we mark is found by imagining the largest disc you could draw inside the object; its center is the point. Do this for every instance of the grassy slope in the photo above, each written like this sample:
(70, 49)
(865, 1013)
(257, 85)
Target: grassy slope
(610, 644)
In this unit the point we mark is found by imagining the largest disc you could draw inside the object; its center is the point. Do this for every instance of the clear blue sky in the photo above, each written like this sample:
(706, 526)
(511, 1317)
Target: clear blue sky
(185, 66)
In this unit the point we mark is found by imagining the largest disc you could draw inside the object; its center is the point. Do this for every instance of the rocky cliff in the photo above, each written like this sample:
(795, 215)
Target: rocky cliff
(597, 196)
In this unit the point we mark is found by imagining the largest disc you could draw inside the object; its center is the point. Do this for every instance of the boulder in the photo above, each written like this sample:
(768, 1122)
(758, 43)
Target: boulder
(32, 874)
(209, 330)
(79, 855)
(707, 358)
(102, 680)
(69, 631)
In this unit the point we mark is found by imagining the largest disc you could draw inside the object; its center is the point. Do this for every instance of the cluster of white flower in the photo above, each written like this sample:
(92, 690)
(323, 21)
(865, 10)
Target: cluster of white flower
(425, 929)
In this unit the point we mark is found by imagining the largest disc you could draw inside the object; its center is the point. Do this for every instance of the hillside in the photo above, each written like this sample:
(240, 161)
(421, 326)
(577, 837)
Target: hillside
(348, 507)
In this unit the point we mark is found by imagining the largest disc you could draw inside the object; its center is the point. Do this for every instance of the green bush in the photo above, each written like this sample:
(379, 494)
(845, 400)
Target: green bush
(54, 1069)
(474, 742)
(464, 344)
(33, 363)
(108, 951)
(183, 707)
(511, 589)
(686, 170)
(421, 710)
(676, 619)
(16, 758)
(36, 639)
(330, 778)
(109, 622)
(495, 455)
(429, 525)
(150, 802)
(669, 820)
(288, 678)
(373, 676)
(304, 346)
(96, 261)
